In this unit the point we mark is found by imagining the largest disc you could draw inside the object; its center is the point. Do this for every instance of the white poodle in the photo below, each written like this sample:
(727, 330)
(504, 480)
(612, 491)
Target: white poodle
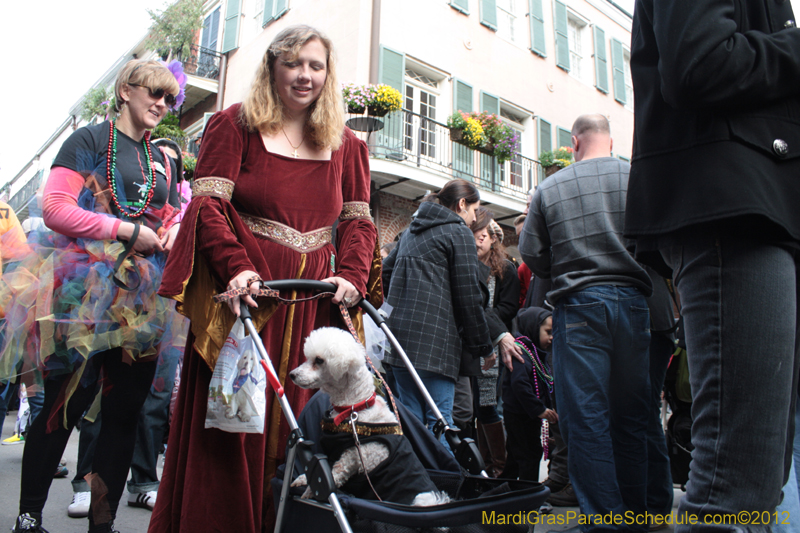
(335, 363)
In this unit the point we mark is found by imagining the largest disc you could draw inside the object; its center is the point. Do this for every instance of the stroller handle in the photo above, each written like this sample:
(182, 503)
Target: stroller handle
(313, 285)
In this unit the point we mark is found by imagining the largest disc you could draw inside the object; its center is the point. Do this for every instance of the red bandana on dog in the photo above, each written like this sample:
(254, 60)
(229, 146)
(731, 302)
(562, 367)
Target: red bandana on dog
(344, 412)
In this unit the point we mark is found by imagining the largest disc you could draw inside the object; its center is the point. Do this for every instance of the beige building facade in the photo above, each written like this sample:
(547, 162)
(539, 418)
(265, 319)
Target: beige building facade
(538, 64)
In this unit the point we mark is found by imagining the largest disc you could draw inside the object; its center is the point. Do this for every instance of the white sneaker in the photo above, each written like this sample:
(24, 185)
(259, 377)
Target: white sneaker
(79, 508)
(145, 500)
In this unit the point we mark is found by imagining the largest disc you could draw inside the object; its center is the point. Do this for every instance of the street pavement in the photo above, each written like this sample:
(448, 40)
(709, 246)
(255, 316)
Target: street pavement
(129, 519)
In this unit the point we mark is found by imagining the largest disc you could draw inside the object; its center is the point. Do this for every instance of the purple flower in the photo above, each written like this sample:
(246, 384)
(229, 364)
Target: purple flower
(176, 68)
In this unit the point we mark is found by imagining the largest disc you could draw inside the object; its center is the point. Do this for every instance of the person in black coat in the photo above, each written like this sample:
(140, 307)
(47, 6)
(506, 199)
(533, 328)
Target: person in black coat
(432, 276)
(713, 202)
(503, 284)
(527, 398)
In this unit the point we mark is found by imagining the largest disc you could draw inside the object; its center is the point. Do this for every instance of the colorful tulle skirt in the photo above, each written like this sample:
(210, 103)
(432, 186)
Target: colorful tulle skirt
(62, 307)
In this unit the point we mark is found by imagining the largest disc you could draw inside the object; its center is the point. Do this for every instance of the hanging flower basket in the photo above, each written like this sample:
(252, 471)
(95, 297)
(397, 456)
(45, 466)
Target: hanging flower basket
(457, 134)
(377, 100)
(466, 130)
(484, 132)
(555, 160)
(377, 111)
(552, 169)
(355, 109)
(487, 148)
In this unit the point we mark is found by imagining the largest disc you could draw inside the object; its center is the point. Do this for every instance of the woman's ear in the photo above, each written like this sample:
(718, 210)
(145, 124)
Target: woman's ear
(462, 205)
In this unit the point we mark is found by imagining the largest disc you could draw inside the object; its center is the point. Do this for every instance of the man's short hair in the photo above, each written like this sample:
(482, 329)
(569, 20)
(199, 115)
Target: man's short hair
(519, 220)
(593, 123)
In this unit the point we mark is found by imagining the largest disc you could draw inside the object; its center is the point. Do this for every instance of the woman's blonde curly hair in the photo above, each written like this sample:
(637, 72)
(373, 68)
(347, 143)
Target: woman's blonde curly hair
(263, 109)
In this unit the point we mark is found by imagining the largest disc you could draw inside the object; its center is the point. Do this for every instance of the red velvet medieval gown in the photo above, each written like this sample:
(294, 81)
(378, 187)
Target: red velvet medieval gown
(246, 202)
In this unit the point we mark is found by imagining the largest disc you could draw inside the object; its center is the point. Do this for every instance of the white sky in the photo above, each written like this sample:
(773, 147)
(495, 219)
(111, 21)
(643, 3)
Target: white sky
(53, 52)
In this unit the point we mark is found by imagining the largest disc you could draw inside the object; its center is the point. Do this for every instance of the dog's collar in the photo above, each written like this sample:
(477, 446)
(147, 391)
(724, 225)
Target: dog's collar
(344, 412)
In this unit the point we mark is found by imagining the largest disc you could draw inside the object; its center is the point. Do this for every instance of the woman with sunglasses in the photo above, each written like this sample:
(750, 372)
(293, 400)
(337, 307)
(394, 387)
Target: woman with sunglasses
(89, 319)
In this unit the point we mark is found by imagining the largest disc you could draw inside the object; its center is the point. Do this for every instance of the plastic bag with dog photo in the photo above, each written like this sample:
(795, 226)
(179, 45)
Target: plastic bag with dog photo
(237, 397)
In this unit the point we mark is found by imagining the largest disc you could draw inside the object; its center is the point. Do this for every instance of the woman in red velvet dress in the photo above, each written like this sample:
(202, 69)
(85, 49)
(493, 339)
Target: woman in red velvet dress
(274, 174)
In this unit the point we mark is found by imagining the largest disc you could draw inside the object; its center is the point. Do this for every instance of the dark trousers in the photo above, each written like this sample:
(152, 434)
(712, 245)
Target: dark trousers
(524, 445)
(125, 388)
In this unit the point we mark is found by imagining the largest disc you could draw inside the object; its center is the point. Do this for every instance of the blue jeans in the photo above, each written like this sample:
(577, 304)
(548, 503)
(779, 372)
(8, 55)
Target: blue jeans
(789, 509)
(739, 303)
(659, 478)
(153, 424)
(440, 388)
(601, 337)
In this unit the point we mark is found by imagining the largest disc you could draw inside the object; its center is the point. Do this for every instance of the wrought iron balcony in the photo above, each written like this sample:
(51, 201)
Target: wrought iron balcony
(416, 140)
(20, 200)
(202, 62)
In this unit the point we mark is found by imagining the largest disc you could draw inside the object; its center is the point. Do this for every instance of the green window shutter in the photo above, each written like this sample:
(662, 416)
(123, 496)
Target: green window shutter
(460, 5)
(230, 37)
(489, 103)
(489, 14)
(562, 41)
(545, 136)
(280, 8)
(462, 96)
(564, 138)
(618, 65)
(391, 72)
(267, 15)
(463, 157)
(536, 18)
(600, 60)
(392, 68)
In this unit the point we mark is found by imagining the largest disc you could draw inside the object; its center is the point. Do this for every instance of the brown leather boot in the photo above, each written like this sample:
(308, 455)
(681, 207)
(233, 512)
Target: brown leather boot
(496, 439)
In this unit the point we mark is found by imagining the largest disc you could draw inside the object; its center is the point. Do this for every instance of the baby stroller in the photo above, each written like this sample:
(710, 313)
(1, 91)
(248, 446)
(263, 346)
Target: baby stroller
(480, 503)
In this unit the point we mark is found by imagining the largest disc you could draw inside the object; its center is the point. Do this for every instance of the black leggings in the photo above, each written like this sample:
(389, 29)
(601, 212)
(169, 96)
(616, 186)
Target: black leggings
(125, 387)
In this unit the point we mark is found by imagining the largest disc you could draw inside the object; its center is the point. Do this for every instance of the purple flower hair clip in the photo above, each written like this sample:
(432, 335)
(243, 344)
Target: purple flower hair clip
(176, 67)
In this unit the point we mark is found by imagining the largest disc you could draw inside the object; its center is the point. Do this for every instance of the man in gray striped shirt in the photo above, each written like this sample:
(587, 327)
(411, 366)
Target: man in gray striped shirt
(601, 335)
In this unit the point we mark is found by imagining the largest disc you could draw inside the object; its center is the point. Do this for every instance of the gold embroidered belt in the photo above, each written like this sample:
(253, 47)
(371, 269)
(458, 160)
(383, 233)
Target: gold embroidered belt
(287, 236)
(365, 430)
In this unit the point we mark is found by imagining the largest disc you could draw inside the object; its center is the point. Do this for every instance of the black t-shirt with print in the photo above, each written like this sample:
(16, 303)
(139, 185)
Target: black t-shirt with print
(86, 152)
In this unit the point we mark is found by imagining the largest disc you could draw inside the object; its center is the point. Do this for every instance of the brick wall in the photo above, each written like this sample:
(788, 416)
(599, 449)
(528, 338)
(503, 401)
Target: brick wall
(394, 215)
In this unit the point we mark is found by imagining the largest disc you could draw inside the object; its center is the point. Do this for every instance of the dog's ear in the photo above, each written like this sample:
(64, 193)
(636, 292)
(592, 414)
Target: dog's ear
(346, 356)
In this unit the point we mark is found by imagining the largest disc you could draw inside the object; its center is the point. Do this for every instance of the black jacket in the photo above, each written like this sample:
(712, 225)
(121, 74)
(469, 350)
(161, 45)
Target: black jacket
(399, 478)
(717, 122)
(434, 290)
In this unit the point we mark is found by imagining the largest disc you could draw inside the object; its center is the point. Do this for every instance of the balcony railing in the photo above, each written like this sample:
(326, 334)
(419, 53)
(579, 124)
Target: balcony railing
(24, 195)
(416, 140)
(202, 62)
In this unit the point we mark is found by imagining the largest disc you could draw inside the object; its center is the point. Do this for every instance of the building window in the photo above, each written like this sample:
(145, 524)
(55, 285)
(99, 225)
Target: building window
(207, 62)
(507, 19)
(626, 69)
(420, 104)
(579, 50)
(511, 173)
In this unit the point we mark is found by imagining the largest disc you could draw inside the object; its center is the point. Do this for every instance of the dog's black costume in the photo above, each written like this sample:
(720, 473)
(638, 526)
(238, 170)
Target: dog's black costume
(398, 479)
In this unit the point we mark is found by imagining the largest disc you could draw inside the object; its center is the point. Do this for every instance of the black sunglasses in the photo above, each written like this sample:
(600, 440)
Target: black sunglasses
(157, 94)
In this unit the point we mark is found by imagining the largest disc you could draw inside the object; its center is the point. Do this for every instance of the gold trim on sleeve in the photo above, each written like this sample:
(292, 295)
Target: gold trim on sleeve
(218, 187)
(353, 210)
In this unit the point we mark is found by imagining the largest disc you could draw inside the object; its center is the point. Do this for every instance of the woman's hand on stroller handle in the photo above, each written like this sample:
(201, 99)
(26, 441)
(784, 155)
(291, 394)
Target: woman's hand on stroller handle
(345, 291)
(240, 281)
